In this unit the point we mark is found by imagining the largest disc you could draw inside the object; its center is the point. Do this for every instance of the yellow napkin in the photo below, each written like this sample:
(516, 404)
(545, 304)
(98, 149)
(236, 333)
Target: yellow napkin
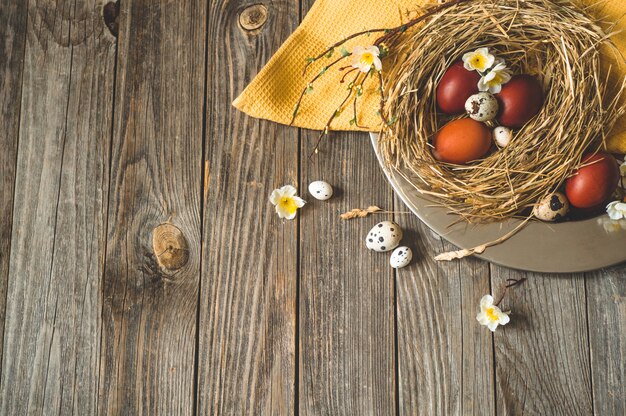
(272, 95)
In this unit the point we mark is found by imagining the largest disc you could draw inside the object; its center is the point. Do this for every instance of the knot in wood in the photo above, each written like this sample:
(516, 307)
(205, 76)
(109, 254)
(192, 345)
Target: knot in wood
(170, 247)
(253, 17)
(111, 14)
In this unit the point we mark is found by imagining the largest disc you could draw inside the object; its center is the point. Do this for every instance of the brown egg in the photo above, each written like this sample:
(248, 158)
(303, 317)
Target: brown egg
(520, 100)
(594, 183)
(462, 141)
(455, 87)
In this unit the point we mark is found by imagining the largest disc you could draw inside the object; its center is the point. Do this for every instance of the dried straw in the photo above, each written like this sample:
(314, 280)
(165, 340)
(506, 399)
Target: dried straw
(554, 40)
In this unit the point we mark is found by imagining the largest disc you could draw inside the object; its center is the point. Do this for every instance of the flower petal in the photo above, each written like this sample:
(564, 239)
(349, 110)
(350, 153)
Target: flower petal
(482, 318)
(483, 84)
(299, 201)
(506, 77)
(496, 89)
(490, 61)
(499, 66)
(275, 196)
(616, 210)
(486, 301)
(282, 213)
(374, 49)
(288, 190)
(378, 64)
(490, 76)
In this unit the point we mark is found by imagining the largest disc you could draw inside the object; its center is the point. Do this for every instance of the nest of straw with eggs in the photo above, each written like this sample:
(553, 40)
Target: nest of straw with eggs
(557, 42)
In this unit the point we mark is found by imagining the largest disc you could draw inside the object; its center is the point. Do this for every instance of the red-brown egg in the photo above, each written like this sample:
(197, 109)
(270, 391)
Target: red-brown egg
(520, 100)
(455, 87)
(594, 183)
(462, 141)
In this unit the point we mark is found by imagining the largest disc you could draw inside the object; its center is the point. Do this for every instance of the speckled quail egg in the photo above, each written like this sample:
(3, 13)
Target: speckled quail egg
(482, 106)
(552, 208)
(502, 136)
(321, 190)
(401, 257)
(385, 236)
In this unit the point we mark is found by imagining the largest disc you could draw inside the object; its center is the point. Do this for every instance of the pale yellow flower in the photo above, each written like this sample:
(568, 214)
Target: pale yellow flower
(479, 60)
(490, 315)
(366, 58)
(493, 80)
(286, 202)
(622, 169)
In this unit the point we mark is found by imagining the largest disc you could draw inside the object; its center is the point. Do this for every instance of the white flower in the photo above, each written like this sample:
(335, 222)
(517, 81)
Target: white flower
(286, 202)
(490, 315)
(493, 80)
(365, 58)
(479, 60)
(616, 210)
(622, 169)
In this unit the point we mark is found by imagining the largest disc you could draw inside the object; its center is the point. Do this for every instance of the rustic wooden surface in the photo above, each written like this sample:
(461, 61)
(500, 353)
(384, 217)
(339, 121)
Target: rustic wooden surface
(143, 271)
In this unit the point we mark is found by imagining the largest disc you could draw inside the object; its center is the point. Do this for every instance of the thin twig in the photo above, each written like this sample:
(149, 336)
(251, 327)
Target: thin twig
(310, 84)
(335, 115)
(510, 284)
(354, 104)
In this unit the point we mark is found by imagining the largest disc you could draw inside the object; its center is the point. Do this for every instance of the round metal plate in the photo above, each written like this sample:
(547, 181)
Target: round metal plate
(567, 247)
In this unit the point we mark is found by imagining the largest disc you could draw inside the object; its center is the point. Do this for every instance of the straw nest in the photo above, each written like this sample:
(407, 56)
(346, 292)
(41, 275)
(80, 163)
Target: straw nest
(557, 42)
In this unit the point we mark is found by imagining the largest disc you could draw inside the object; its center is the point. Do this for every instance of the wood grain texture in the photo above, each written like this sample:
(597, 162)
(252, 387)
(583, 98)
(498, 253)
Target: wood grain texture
(445, 358)
(347, 346)
(156, 278)
(149, 314)
(542, 356)
(249, 269)
(606, 313)
(12, 44)
(52, 343)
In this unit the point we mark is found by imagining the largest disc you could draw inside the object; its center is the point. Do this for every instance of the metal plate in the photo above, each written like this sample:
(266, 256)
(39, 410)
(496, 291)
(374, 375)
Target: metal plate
(567, 247)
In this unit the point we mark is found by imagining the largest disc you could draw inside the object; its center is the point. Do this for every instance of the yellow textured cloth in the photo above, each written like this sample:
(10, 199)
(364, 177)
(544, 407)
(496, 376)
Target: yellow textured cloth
(272, 95)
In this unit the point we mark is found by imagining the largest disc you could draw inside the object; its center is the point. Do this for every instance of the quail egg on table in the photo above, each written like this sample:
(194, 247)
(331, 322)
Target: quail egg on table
(385, 236)
(552, 208)
(482, 106)
(401, 257)
(321, 190)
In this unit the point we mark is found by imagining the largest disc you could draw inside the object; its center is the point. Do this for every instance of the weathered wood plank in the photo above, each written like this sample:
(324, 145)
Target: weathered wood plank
(12, 44)
(445, 358)
(347, 346)
(52, 342)
(151, 278)
(542, 356)
(249, 268)
(606, 313)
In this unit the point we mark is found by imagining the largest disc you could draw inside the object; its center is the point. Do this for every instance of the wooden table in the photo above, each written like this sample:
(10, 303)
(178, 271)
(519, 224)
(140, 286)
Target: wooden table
(143, 271)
